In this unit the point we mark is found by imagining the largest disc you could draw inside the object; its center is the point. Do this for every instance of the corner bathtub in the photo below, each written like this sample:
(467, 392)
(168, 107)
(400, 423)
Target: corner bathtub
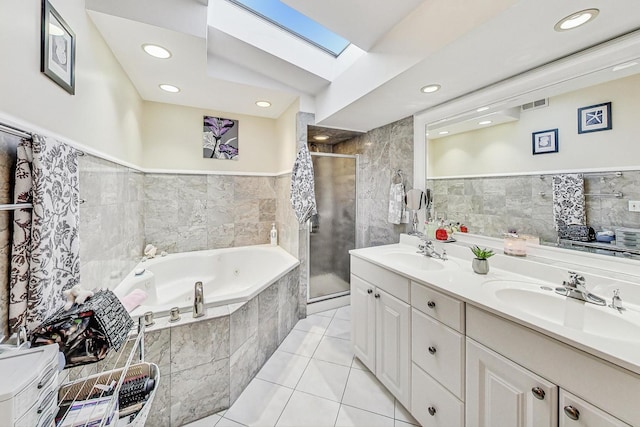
(229, 275)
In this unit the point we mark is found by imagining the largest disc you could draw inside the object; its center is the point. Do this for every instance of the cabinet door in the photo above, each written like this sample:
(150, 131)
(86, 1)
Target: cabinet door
(363, 322)
(393, 348)
(501, 393)
(575, 412)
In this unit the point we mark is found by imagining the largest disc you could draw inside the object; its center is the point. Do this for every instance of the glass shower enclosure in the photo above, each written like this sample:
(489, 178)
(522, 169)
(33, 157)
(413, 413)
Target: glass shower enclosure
(332, 232)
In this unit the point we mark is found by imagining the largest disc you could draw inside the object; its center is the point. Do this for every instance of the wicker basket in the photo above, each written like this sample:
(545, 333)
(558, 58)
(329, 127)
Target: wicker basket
(81, 389)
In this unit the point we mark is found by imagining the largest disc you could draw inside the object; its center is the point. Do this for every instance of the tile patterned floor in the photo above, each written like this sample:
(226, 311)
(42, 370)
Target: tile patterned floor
(314, 380)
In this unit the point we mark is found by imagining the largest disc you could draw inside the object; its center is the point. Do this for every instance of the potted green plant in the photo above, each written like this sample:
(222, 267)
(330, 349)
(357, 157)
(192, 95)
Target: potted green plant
(480, 263)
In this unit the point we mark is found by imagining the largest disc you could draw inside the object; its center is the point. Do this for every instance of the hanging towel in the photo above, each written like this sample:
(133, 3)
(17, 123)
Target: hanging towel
(45, 249)
(568, 200)
(303, 196)
(396, 203)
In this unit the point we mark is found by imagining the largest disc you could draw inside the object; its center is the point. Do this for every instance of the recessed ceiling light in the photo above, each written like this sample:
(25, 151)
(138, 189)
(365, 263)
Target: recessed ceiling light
(481, 109)
(263, 104)
(156, 51)
(170, 88)
(485, 122)
(444, 132)
(430, 88)
(576, 19)
(321, 137)
(625, 65)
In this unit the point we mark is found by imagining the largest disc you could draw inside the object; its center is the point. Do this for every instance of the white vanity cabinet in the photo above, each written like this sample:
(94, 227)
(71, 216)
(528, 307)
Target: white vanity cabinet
(502, 393)
(575, 412)
(381, 326)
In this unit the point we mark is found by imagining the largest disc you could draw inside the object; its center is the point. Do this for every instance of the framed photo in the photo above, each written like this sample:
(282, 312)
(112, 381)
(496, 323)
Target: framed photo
(545, 141)
(594, 118)
(57, 49)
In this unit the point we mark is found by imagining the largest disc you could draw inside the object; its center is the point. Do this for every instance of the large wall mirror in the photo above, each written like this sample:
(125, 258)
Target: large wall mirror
(491, 157)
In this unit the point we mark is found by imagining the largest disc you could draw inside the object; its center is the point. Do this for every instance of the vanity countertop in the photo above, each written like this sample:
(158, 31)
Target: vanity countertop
(617, 342)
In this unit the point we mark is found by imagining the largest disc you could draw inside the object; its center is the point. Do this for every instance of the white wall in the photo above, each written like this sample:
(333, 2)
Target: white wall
(286, 131)
(507, 148)
(172, 137)
(104, 114)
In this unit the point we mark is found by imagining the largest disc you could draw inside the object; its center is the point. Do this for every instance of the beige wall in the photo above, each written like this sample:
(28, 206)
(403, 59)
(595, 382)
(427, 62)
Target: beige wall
(287, 136)
(172, 137)
(104, 114)
(507, 148)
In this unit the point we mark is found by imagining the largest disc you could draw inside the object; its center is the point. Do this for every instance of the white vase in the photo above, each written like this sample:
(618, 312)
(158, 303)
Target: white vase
(480, 266)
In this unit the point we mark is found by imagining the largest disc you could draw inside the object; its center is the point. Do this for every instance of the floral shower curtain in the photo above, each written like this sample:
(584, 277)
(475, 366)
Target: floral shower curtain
(45, 251)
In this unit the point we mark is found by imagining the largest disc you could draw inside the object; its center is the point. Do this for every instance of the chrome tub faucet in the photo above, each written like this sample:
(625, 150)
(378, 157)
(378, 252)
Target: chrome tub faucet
(198, 300)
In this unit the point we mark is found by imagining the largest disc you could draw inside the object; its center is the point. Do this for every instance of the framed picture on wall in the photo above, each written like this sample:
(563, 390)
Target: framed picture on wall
(594, 118)
(57, 49)
(545, 141)
(220, 138)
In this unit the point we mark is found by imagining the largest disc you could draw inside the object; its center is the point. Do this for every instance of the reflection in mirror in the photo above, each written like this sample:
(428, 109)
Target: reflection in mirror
(483, 170)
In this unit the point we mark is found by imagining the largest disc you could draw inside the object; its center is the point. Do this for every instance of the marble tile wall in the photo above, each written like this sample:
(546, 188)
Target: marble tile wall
(205, 364)
(491, 206)
(196, 212)
(382, 151)
(111, 221)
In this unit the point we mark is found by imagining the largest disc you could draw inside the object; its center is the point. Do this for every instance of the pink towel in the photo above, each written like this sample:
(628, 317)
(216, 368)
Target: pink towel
(133, 299)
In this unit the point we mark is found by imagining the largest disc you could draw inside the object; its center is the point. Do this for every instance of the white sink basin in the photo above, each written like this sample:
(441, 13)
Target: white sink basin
(418, 261)
(541, 301)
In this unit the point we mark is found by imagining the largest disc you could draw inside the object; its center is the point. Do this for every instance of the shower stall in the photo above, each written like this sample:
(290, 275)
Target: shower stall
(332, 232)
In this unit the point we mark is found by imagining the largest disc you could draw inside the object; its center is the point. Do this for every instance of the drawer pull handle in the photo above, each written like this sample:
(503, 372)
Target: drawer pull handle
(46, 377)
(572, 412)
(377, 295)
(432, 410)
(431, 304)
(369, 291)
(432, 350)
(47, 401)
(538, 393)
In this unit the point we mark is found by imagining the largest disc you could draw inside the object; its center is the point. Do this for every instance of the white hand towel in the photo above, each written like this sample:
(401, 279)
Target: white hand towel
(396, 203)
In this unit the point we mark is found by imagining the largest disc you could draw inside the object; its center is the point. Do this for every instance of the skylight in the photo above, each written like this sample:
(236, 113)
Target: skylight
(296, 23)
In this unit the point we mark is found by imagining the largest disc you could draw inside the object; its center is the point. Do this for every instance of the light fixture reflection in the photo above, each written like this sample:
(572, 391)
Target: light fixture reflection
(321, 137)
(485, 122)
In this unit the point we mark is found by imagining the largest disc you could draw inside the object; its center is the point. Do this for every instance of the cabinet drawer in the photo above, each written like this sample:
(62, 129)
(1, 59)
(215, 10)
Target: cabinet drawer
(384, 279)
(427, 394)
(587, 414)
(447, 310)
(438, 350)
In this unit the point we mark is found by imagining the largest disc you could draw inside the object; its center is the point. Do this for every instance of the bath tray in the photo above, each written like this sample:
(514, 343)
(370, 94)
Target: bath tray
(81, 389)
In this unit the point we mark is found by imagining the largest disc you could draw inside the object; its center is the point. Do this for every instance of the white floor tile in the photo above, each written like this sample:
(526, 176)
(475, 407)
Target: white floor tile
(343, 313)
(306, 410)
(300, 342)
(403, 415)
(313, 323)
(260, 404)
(339, 328)
(348, 416)
(399, 423)
(324, 379)
(221, 413)
(327, 313)
(334, 350)
(357, 364)
(364, 391)
(225, 422)
(209, 421)
(284, 368)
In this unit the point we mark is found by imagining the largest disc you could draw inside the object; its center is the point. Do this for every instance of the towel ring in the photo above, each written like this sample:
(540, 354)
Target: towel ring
(398, 174)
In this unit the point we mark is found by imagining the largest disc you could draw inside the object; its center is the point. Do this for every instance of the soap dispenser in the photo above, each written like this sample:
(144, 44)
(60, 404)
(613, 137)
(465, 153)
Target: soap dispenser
(274, 235)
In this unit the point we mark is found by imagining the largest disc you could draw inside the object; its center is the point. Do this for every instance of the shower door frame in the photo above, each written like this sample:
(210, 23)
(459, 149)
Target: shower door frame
(308, 225)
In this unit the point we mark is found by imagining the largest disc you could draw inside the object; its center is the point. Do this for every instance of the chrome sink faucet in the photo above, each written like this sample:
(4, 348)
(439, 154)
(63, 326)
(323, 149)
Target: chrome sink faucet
(576, 288)
(426, 248)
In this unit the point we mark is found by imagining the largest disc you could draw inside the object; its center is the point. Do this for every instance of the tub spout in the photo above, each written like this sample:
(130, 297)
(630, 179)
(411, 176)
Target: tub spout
(198, 301)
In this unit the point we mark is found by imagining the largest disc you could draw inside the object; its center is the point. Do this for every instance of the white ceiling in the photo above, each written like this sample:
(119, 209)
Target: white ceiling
(225, 59)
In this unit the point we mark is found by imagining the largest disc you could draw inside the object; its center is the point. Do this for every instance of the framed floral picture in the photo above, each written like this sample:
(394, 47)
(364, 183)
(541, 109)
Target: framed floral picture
(594, 118)
(220, 138)
(57, 49)
(545, 141)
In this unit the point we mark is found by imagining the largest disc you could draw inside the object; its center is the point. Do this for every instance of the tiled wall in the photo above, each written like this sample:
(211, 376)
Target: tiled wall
(491, 206)
(196, 212)
(206, 364)
(382, 151)
(111, 221)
